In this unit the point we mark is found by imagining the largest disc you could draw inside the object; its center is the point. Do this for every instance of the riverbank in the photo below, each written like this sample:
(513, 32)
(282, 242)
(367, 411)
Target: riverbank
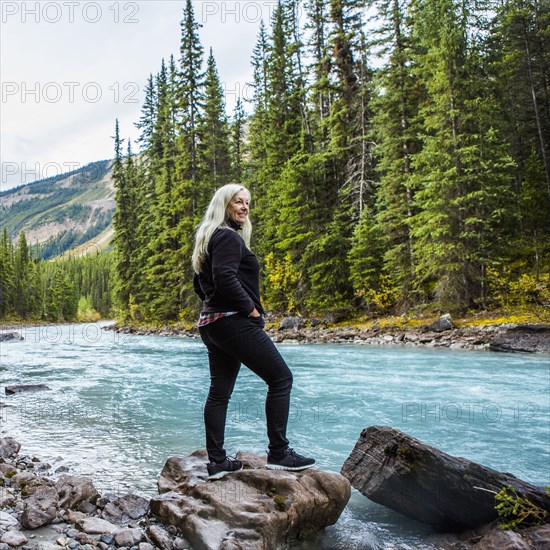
(442, 332)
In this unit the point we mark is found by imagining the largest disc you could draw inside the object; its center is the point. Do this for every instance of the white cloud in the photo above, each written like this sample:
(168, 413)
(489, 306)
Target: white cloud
(68, 69)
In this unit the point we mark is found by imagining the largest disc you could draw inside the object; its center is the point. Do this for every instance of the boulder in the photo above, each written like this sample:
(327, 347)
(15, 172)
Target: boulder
(125, 509)
(9, 447)
(525, 338)
(252, 509)
(40, 508)
(10, 336)
(14, 538)
(129, 537)
(291, 323)
(160, 537)
(7, 520)
(423, 483)
(442, 324)
(75, 490)
(20, 388)
(96, 526)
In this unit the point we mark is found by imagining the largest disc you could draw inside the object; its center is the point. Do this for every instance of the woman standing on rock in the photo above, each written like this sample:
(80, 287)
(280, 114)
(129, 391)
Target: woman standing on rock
(231, 326)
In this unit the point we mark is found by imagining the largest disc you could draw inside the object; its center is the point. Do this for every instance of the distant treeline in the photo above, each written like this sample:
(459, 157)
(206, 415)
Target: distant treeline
(64, 290)
(396, 164)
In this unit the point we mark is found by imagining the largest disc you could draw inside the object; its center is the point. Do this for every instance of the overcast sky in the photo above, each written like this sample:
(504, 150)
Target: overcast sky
(68, 69)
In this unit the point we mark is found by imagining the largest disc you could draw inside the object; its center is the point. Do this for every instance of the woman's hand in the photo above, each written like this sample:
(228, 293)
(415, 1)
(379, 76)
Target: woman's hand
(255, 313)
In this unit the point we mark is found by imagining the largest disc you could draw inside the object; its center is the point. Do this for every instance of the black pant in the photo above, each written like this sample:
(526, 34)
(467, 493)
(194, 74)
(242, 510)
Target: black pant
(231, 341)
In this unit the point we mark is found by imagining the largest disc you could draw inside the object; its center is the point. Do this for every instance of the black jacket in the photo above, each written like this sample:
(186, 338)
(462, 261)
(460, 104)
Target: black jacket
(230, 275)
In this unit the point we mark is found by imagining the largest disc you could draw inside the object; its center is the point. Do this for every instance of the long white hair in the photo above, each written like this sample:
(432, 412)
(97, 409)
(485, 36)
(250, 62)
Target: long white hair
(215, 217)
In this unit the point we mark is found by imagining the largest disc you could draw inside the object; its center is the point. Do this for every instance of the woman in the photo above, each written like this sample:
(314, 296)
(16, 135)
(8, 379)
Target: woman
(231, 326)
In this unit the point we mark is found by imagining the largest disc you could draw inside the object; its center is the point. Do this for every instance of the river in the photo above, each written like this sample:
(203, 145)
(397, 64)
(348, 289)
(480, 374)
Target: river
(119, 405)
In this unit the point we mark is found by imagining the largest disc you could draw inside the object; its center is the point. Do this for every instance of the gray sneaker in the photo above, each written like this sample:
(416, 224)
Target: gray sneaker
(289, 460)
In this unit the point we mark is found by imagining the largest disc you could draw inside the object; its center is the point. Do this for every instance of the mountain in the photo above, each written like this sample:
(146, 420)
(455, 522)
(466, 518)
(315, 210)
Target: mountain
(63, 212)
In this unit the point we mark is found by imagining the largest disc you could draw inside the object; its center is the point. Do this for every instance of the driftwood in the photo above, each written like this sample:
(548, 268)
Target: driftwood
(423, 483)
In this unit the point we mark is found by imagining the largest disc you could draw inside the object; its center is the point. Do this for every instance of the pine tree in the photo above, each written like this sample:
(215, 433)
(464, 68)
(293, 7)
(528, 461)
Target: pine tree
(124, 224)
(7, 281)
(463, 170)
(256, 165)
(146, 123)
(214, 131)
(238, 142)
(395, 131)
(21, 277)
(190, 92)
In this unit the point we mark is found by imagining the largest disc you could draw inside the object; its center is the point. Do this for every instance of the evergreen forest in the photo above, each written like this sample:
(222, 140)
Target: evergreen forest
(397, 152)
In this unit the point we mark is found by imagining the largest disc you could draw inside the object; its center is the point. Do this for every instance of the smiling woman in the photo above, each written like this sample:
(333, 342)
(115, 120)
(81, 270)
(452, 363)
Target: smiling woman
(231, 326)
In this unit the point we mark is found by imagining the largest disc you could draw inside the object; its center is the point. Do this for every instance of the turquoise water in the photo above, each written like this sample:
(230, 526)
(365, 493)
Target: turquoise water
(119, 405)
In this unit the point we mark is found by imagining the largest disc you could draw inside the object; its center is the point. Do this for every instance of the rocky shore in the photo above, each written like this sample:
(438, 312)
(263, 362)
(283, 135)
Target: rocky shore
(260, 509)
(254, 509)
(509, 337)
(41, 509)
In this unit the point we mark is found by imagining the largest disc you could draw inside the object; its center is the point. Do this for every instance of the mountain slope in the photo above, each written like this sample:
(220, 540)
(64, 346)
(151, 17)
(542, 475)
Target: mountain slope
(62, 212)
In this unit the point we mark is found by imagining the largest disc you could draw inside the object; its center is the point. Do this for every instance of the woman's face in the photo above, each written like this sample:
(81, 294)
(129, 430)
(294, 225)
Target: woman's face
(237, 209)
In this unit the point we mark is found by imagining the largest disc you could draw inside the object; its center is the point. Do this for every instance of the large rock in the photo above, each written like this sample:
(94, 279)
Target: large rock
(526, 338)
(75, 490)
(9, 447)
(496, 538)
(125, 509)
(442, 324)
(21, 388)
(14, 538)
(252, 509)
(291, 323)
(96, 526)
(423, 483)
(10, 336)
(40, 508)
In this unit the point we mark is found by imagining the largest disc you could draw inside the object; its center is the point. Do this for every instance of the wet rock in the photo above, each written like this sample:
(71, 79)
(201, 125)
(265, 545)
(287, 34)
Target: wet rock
(14, 538)
(40, 508)
(423, 483)
(75, 490)
(9, 447)
(21, 388)
(10, 336)
(255, 508)
(126, 508)
(96, 526)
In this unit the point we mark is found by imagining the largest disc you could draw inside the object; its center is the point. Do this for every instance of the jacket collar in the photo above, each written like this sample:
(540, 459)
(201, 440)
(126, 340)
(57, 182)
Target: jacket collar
(234, 225)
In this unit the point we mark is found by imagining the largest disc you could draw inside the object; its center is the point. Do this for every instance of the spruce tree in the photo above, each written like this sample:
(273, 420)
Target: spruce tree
(395, 132)
(237, 149)
(214, 130)
(190, 93)
(7, 280)
(463, 170)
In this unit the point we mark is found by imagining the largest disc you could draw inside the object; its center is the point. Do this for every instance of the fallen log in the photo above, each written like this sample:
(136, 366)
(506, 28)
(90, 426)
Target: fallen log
(421, 482)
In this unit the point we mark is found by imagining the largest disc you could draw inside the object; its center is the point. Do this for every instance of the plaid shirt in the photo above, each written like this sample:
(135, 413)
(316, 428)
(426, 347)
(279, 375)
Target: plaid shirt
(207, 318)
